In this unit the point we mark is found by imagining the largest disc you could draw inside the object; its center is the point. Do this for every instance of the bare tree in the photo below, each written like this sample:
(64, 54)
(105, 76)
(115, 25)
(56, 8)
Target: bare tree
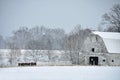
(49, 48)
(75, 42)
(14, 53)
(112, 19)
(21, 37)
(1, 60)
(34, 47)
(2, 43)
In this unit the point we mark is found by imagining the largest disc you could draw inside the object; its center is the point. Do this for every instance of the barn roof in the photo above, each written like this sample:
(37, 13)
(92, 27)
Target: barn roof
(111, 40)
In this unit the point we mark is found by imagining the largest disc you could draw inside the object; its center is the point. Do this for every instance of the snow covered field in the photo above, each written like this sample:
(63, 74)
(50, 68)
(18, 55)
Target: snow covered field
(60, 73)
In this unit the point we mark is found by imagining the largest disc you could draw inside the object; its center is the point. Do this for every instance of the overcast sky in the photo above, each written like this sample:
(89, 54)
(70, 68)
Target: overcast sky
(52, 13)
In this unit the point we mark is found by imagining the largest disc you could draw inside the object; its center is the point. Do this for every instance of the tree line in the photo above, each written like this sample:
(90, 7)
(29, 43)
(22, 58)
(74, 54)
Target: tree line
(43, 38)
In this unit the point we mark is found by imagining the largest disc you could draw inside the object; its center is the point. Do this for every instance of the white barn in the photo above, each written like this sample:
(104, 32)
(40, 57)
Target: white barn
(101, 48)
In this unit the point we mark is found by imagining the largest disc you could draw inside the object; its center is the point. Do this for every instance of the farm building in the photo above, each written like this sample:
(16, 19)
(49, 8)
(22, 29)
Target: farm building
(101, 48)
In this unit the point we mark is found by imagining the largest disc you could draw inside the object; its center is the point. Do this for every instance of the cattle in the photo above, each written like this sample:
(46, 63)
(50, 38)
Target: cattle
(27, 64)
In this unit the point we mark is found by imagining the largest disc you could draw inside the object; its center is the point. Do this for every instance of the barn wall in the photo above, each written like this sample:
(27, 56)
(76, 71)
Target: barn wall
(96, 42)
(113, 59)
(104, 59)
(100, 56)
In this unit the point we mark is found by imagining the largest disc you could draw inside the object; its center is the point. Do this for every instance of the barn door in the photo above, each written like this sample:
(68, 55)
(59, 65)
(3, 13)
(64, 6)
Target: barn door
(93, 60)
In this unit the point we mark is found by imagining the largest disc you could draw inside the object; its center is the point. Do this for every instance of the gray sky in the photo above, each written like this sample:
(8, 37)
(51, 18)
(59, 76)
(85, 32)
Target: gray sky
(52, 13)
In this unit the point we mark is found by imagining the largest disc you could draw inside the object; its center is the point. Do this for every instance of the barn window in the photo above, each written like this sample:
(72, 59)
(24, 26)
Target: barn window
(112, 60)
(93, 50)
(103, 60)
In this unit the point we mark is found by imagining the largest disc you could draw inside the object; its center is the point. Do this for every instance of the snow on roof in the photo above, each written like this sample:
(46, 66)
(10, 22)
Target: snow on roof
(111, 40)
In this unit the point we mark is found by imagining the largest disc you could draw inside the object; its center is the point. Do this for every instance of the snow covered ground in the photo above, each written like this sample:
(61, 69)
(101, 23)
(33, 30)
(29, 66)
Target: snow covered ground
(60, 73)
